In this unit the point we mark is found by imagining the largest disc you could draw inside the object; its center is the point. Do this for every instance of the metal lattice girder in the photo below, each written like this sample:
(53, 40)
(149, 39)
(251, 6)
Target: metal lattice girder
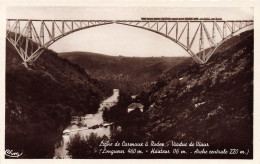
(36, 35)
(198, 41)
(31, 37)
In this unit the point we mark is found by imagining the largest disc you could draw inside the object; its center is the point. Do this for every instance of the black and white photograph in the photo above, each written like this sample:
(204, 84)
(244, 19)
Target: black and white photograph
(93, 82)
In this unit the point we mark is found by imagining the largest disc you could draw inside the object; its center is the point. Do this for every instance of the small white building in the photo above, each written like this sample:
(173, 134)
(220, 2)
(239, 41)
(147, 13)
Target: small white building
(133, 97)
(133, 106)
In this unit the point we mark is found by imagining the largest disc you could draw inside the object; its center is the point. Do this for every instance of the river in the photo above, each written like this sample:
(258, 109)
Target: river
(87, 124)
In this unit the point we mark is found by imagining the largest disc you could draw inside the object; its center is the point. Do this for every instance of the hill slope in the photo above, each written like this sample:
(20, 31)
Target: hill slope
(211, 103)
(39, 102)
(126, 73)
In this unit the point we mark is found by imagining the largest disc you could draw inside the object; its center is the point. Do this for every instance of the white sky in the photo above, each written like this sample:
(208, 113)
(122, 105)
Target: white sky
(118, 39)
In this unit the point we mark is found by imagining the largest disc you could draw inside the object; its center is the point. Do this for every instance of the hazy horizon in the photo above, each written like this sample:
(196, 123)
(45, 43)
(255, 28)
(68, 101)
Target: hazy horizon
(122, 55)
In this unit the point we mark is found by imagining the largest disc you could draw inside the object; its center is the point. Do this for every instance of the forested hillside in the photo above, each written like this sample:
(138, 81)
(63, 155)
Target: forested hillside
(131, 74)
(40, 101)
(211, 103)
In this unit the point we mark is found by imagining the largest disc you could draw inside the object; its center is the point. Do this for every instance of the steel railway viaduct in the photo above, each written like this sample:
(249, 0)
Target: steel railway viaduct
(200, 38)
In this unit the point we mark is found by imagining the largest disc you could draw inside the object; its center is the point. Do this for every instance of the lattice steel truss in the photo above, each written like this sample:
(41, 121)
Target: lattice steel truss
(215, 32)
(200, 38)
(31, 37)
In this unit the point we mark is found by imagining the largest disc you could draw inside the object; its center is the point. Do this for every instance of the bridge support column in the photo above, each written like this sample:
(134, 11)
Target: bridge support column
(25, 64)
(28, 65)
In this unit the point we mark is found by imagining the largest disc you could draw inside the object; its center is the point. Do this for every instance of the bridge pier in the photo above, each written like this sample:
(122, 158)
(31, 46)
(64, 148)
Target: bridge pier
(25, 64)
(28, 65)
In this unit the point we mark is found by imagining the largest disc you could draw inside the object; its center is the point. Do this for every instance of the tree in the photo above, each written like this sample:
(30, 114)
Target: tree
(82, 148)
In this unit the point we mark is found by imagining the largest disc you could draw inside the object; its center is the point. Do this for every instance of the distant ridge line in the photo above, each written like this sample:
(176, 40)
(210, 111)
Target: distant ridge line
(105, 55)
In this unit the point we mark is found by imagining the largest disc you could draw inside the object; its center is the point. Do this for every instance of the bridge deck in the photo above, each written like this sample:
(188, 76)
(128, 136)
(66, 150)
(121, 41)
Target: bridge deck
(131, 20)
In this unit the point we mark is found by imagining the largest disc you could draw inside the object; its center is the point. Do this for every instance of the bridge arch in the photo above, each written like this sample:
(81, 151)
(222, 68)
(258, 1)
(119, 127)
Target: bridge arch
(198, 60)
(31, 36)
(35, 42)
(204, 57)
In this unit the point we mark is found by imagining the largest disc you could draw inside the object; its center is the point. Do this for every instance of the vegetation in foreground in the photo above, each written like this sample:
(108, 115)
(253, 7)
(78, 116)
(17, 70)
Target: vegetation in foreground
(40, 101)
(211, 103)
